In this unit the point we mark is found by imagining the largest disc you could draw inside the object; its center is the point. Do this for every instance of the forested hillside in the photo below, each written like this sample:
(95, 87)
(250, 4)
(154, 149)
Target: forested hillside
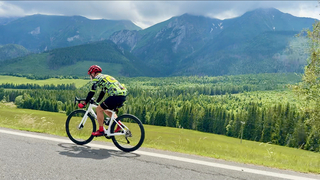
(11, 51)
(217, 105)
(75, 61)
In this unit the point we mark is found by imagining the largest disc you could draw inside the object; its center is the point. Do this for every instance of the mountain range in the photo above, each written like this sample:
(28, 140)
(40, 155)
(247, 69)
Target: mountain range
(39, 33)
(259, 41)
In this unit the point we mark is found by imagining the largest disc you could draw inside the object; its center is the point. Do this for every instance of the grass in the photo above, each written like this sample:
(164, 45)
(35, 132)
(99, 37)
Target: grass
(22, 80)
(178, 140)
(79, 69)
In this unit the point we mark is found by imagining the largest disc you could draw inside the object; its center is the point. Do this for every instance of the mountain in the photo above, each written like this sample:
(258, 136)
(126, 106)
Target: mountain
(259, 35)
(11, 51)
(6, 20)
(259, 41)
(189, 45)
(163, 45)
(38, 33)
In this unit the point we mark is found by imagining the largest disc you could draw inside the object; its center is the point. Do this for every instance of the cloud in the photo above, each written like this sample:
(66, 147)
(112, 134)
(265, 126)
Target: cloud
(8, 10)
(148, 13)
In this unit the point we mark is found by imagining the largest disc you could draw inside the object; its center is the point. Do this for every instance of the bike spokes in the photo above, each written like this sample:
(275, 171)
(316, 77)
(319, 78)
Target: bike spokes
(133, 135)
(78, 132)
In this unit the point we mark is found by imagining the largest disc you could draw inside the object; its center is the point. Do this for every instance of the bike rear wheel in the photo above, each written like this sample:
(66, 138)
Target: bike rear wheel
(134, 137)
(82, 135)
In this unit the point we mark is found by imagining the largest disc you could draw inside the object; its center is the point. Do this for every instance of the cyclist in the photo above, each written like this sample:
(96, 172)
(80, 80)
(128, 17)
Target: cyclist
(117, 95)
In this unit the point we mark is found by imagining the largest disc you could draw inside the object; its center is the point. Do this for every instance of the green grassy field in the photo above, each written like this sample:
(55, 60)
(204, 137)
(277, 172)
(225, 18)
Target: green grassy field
(178, 140)
(55, 81)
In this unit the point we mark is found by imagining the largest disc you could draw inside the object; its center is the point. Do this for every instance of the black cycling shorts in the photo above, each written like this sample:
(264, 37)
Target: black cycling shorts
(112, 102)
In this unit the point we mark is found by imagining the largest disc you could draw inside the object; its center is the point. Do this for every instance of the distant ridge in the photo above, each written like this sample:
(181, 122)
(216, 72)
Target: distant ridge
(38, 32)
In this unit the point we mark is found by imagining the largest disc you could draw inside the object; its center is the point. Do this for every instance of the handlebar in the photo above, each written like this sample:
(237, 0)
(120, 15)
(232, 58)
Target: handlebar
(92, 101)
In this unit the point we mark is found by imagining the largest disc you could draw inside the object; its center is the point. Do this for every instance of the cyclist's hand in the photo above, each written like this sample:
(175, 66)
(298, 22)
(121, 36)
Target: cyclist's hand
(81, 105)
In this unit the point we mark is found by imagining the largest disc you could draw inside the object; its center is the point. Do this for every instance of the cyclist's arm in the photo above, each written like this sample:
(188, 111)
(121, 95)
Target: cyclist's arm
(101, 95)
(91, 93)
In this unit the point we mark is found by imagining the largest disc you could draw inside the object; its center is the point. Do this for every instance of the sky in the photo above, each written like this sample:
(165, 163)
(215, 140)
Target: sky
(147, 13)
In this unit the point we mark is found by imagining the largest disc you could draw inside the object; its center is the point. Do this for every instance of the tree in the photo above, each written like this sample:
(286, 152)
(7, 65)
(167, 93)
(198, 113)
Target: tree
(250, 122)
(171, 120)
(19, 101)
(313, 140)
(299, 135)
(160, 119)
(267, 125)
(309, 89)
(184, 115)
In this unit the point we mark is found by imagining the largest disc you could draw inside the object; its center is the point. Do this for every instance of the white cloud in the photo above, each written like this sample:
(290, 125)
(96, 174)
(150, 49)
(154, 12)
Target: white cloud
(306, 10)
(7, 10)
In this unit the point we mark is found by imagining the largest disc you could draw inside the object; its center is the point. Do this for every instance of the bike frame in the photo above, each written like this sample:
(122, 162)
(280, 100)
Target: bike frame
(112, 119)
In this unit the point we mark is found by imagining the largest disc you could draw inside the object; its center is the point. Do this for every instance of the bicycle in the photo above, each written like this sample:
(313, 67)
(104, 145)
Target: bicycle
(129, 138)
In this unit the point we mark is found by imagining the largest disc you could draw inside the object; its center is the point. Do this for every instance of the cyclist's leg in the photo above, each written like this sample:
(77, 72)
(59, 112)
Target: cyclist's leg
(108, 104)
(113, 102)
(100, 118)
(108, 113)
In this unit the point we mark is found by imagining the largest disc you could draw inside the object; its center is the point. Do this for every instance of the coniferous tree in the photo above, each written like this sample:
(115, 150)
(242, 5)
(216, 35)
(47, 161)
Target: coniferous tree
(299, 135)
(171, 120)
(250, 122)
(267, 126)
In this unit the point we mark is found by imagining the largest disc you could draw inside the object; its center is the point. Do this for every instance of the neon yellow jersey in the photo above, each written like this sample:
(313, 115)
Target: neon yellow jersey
(109, 85)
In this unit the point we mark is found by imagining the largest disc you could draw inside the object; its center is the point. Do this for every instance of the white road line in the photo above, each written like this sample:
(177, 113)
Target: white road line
(235, 168)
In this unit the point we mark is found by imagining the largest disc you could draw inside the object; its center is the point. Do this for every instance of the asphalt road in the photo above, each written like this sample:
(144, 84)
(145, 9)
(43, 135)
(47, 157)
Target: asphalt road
(27, 155)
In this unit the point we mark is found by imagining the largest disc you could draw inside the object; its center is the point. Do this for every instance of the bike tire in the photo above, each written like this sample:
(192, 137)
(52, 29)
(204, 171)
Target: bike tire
(137, 131)
(80, 136)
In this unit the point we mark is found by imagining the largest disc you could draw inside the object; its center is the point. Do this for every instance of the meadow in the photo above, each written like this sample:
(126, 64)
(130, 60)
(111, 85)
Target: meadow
(55, 81)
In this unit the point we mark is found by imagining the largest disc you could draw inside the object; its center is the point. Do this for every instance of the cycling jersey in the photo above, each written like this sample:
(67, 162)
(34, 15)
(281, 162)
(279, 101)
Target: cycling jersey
(108, 84)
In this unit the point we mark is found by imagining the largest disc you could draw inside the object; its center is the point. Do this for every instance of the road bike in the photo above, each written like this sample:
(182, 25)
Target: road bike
(126, 131)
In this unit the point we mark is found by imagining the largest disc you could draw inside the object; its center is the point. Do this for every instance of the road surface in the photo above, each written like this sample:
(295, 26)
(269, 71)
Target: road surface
(28, 155)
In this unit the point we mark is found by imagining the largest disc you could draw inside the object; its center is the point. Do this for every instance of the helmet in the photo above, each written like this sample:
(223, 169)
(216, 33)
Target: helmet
(94, 69)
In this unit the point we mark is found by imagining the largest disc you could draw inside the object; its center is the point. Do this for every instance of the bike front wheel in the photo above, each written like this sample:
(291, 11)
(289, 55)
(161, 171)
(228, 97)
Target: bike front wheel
(80, 133)
(134, 136)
